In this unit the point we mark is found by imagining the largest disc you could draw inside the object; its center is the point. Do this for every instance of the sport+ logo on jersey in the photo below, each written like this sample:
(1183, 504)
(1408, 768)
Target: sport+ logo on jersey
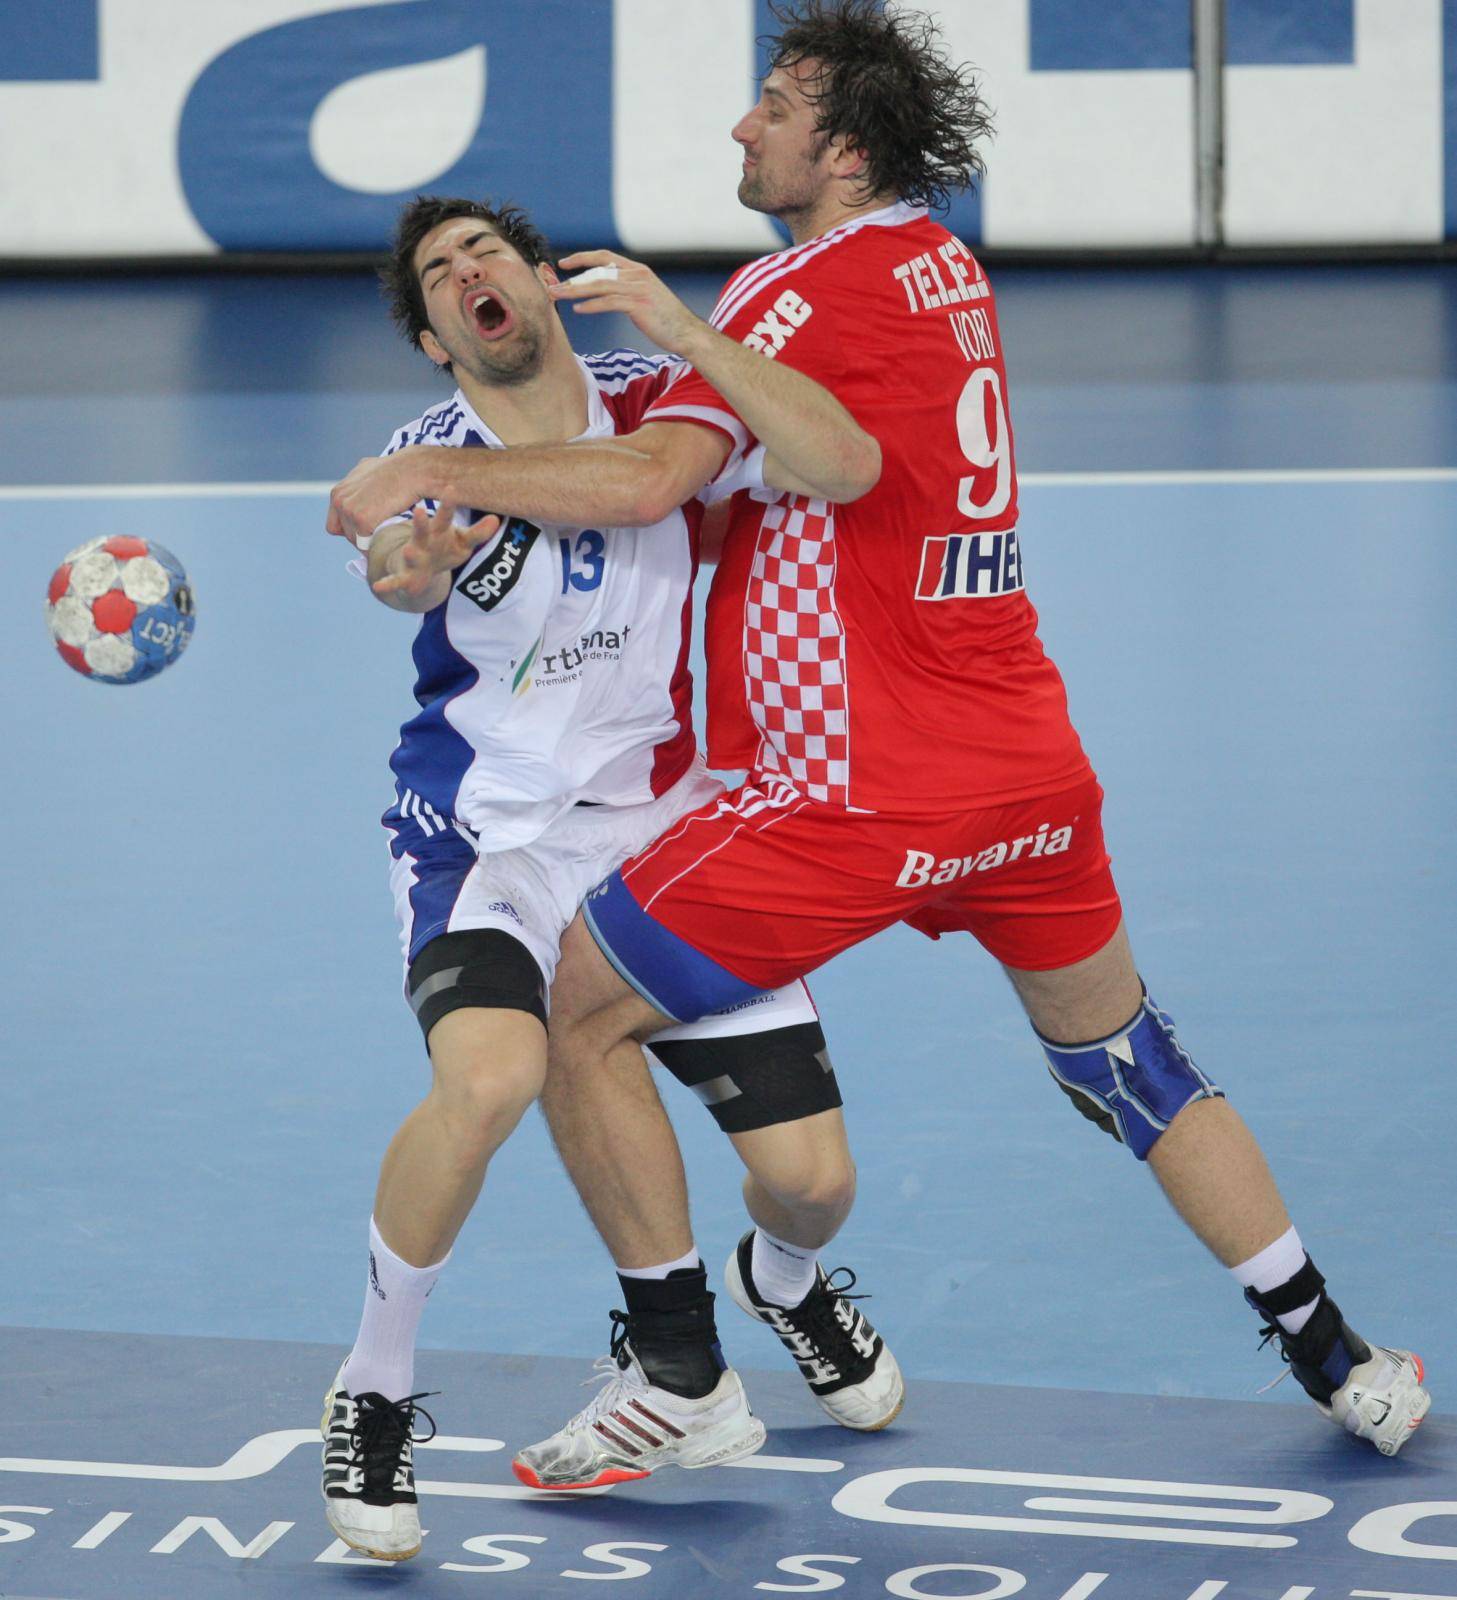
(497, 573)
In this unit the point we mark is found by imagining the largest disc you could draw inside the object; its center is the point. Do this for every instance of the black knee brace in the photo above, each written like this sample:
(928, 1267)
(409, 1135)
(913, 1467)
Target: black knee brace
(476, 967)
(755, 1080)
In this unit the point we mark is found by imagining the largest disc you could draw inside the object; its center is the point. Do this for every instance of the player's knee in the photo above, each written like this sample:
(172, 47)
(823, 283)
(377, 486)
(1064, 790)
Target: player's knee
(484, 1090)
(825, 1187)
(1133, 1083)
(756, 1080)
(480, 1001)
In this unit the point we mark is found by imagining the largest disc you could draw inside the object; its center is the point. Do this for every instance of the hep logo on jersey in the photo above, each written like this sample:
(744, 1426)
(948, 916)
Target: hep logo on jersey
(969, 566)
(778, 325)
(496, 576)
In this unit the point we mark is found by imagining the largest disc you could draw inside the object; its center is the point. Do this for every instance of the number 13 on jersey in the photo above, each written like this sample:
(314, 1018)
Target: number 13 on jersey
(582, 561)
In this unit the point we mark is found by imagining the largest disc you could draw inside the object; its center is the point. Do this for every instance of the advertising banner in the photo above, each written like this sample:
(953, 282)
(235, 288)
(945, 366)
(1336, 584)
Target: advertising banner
(169, 128)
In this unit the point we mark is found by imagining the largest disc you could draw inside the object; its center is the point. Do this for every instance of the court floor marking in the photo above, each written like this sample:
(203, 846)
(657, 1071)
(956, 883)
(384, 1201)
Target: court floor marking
(1028, 480)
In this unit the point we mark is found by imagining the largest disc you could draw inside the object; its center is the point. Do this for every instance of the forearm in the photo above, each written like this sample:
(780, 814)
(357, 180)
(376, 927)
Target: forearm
(384, 561)
(801, 424)
(594, 481)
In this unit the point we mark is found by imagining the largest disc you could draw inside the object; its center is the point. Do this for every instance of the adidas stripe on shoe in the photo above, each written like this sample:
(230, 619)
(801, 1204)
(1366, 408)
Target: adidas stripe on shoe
(631, 1428)
(369, 1471)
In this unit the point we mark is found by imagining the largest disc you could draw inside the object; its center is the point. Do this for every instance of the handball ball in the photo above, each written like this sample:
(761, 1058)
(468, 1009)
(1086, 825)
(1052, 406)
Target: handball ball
(120, 609)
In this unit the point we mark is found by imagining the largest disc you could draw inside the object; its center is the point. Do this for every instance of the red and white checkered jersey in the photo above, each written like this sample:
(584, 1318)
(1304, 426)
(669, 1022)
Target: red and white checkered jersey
(882, 655)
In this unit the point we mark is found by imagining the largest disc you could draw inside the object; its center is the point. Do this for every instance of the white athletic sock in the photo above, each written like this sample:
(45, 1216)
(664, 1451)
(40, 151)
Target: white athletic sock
(784, 1273)
(1276, 1264)
(383, 1358)
(687, 1263)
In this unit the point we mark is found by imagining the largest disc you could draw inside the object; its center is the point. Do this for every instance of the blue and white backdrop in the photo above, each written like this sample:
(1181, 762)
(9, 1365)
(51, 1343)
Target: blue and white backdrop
(169, 127)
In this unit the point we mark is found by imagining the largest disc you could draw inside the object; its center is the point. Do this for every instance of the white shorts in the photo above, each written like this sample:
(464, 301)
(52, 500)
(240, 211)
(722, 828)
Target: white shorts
(442, 884)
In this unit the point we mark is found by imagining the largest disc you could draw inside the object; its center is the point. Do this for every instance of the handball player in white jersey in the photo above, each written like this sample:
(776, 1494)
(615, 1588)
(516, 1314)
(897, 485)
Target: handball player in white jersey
(552, 740)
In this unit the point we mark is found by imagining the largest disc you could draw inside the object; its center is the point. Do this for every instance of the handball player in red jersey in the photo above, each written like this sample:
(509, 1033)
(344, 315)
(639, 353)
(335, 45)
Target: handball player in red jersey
(876, 669)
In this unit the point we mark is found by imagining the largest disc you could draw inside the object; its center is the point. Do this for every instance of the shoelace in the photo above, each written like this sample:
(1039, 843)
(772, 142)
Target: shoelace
(1272, 1331)
(816, 1315)
(381, 1429)
(606, 1369)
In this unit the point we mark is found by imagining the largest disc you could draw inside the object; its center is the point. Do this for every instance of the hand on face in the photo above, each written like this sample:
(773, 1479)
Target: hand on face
(633, 289)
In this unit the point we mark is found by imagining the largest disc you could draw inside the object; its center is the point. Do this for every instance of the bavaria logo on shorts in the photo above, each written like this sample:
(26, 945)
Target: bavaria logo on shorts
(969, 566)
(496, 575)
(922, 867)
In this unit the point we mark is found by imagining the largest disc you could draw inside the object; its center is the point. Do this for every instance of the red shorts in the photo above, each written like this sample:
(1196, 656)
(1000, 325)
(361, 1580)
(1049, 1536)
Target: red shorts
(768, 885)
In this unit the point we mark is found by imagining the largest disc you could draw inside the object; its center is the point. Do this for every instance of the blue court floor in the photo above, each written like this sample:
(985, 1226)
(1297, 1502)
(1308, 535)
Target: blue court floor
(1241, 491)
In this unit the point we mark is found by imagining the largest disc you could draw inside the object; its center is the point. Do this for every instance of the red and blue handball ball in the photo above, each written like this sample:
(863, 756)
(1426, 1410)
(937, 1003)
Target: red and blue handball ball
(120, 609)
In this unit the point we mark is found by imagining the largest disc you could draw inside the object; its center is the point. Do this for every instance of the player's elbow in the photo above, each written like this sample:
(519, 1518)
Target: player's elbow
(656, 491)
(861, 469)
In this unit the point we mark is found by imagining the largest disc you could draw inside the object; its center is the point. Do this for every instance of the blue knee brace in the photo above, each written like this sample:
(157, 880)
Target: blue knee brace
(1133, 1083)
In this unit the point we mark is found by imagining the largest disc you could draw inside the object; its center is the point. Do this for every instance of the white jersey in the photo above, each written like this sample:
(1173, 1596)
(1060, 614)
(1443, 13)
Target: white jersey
(556, 671)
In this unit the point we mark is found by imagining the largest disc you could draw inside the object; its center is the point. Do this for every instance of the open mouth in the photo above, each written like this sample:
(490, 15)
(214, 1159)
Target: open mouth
(491, 316)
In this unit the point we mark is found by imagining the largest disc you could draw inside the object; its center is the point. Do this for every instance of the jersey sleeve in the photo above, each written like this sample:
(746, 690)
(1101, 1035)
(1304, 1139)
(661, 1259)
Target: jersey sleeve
(771, 311)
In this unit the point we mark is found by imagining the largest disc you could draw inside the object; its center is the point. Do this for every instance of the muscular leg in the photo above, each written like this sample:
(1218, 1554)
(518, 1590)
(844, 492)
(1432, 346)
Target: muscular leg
(488, 1067)
(1207, 1163)
(619, 1150)
(1212, 1171)
(800, 1182)
(604, 1113)
(799, 1189)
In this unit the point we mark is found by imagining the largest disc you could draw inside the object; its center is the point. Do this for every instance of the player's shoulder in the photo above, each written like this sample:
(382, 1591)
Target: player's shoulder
(444, 423)
(830, 258)
(619, 370)
(628, 382)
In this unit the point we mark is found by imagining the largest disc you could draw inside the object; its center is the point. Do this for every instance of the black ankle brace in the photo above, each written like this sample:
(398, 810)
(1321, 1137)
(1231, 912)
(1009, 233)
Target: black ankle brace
(1289, 1296)
(671, 1328)
(1324, 1351)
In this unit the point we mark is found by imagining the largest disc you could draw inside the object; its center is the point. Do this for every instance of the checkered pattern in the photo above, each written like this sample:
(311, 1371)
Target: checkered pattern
(794, 651)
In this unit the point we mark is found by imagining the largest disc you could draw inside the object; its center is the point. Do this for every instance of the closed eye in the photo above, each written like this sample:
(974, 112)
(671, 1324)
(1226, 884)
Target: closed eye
(439, 266)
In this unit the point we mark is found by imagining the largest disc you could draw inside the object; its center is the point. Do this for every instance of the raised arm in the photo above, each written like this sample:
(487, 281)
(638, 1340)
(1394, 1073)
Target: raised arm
(814, 445)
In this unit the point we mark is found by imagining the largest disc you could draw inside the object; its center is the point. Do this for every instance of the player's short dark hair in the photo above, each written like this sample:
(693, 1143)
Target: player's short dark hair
(886, 84)
(400, 281)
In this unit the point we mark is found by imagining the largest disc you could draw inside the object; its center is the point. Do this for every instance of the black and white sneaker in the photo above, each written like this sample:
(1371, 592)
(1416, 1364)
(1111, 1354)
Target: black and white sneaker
(844, 1360)
(369, 1471)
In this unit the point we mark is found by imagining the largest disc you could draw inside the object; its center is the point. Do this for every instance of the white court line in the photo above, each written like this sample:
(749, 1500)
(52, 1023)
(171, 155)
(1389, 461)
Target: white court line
(162, 491)
(1138, 480)
(1028, 480)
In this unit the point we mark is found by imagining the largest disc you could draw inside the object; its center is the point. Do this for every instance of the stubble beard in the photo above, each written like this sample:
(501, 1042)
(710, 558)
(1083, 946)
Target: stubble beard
(785, 200)
(517, 362)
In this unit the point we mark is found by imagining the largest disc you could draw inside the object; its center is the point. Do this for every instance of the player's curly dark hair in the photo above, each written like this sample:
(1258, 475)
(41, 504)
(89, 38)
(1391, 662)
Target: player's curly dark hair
(400, 281)
(886, 83)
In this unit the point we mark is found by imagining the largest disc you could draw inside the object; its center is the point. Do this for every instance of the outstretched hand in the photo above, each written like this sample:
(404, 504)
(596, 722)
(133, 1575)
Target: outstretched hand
(636, 291)
(435, 545)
